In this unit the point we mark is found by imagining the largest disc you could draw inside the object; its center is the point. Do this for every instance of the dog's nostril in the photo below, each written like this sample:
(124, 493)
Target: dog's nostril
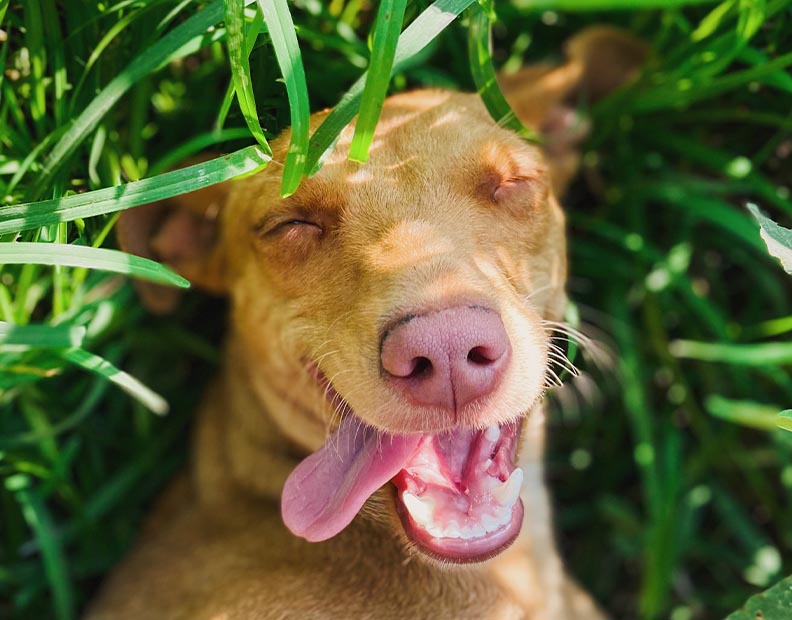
(480, 356)
(421, 367)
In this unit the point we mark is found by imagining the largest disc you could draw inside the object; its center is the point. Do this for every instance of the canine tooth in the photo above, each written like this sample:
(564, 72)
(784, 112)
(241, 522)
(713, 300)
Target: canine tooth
(507, 493)
(419, 509)
(492, 433)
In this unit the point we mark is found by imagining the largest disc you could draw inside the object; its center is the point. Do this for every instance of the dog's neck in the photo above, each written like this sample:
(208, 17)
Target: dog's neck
(238, 447)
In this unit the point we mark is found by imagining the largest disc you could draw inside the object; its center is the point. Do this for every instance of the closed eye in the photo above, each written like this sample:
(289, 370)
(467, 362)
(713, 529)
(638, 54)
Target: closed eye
(290, 227)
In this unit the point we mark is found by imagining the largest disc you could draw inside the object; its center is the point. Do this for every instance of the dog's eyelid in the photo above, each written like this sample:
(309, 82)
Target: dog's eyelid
(270, 226)
(507, 187)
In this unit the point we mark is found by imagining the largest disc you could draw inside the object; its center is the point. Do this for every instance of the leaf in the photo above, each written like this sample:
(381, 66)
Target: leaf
(19, 217)
(480, 56)
(743, 412)
(185, 39)
(91, 258)
(386, 38)
(41, 336)
(751, 17)
(240, 67)
(777, 238)
(287, 51)
(56, 566)
(785, 420)
(755, 355)
(604, 5)
(415, 38)
(773, 604)
(100, 366)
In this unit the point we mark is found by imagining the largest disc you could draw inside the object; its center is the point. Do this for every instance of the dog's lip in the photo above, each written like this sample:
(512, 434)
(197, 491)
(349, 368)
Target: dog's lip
(458, 550)
(446, 549)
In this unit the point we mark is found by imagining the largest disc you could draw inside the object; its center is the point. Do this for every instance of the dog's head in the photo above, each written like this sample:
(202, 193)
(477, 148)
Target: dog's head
(392, 315)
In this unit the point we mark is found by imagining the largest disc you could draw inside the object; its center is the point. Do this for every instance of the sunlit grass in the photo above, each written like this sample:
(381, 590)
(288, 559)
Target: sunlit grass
(672, 489)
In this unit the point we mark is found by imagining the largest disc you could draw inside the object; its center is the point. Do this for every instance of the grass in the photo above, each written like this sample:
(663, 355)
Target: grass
(672, 482)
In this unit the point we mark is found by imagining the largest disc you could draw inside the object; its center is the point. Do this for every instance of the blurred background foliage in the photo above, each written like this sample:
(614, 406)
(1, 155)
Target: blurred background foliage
(672, 482)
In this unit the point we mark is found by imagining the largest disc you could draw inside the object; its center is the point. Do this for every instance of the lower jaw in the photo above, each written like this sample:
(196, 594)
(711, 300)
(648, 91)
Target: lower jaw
(462, 550)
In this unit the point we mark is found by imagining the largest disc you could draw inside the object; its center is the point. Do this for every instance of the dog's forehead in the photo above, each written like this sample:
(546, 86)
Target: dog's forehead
(426, 143)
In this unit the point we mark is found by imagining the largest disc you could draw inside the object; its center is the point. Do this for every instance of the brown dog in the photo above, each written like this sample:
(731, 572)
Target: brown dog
(390, 321)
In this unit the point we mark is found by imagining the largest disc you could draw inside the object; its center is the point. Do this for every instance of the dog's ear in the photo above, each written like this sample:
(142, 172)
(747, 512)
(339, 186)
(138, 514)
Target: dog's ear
(182, 233)
(600, 59)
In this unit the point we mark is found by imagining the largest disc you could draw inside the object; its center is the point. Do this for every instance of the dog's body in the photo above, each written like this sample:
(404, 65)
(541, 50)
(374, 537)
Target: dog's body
(453, 220)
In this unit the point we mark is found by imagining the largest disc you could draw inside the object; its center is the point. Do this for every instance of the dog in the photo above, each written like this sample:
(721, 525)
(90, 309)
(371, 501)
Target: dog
(372, 445)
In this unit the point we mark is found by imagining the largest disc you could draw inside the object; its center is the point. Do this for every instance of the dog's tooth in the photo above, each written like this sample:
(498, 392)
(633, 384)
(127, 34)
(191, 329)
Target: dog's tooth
(452, 530)
(490, 523)
(419, 509)
(507, 493)
(492, 433)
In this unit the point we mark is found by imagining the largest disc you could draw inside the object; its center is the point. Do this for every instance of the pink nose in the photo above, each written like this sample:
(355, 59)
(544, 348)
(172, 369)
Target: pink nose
(446, 359)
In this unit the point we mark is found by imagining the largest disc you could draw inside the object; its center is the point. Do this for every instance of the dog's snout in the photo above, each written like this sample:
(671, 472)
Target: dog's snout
(446, 359)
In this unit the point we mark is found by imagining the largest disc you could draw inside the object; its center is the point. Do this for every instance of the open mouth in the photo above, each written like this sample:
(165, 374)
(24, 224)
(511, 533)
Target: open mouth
(458, 496)
(457, 493)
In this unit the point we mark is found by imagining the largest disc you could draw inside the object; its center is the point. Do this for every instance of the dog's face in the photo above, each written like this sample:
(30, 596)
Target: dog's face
(391, 315)
(406, 296)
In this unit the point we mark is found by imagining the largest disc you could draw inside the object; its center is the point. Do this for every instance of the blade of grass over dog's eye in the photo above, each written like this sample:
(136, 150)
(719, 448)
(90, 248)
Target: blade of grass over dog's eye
(185, 39)
(128, 383)
(483, 71)
(287, 51)
(426, 27)
(19, 217)
(386, 37)
(240, 67)
(43, 336)
(91, 258)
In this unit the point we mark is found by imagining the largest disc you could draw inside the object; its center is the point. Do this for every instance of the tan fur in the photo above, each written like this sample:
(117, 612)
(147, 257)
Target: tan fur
(414, 228)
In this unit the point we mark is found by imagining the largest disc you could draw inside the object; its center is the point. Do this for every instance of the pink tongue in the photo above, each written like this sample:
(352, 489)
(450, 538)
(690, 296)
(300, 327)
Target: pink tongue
(325, 492)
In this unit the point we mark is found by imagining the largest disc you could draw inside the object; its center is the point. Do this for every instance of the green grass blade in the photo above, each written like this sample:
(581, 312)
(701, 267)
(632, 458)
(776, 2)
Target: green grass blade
(42, 336)
(755, 355)
(743, 412)
(91, 258)
(752, 16)
(415, 38)
(185, 39)
(195, 145)
(287, 51)
(40, 522)
(777, 238)
(605, 5)
(386, 36)
(240, 69)
(785, 420)
(19, 217)
(133, 387)
(3, 8)
(483, 71)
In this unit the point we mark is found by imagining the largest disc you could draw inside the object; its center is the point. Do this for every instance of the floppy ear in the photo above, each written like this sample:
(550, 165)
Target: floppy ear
(182, 233)
(600, 59)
